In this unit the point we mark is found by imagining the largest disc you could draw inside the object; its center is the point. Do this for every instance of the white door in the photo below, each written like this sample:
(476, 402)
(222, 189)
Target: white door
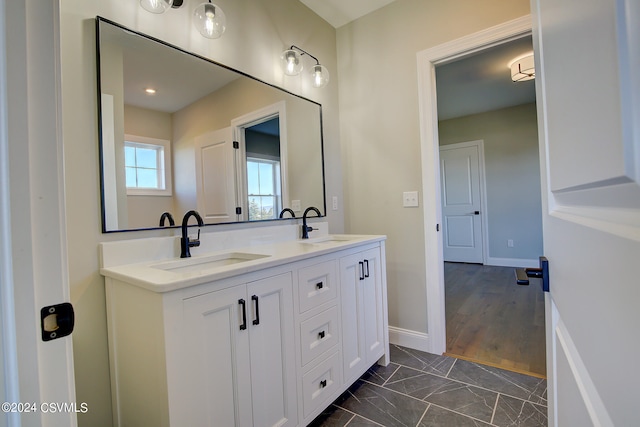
(460, 177)
(590, 155)
(33, 244)
(216, 176)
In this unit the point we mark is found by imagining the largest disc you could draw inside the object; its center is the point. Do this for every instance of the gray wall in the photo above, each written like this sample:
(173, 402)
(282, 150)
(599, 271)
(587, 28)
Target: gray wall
(380, 130)
(513, 177)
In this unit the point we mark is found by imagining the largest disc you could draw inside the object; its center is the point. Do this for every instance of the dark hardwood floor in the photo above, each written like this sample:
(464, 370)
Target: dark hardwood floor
(492, 320)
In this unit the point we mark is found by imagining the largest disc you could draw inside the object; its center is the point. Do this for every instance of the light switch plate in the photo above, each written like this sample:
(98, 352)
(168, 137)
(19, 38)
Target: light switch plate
(295, 205)
(410, 199)
(335, 203)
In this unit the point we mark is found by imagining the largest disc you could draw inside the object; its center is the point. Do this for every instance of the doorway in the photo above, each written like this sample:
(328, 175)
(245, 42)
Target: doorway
(488, 318)
(430, 113)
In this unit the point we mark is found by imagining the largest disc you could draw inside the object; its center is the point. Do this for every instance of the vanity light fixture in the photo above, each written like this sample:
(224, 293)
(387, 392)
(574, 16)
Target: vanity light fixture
(209, 19)
(523, 68)
(292, 66)
(159, 6)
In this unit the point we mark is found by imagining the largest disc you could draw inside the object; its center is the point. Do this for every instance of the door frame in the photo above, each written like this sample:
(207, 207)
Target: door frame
(238, 126)
(484, 223)
(430, 159)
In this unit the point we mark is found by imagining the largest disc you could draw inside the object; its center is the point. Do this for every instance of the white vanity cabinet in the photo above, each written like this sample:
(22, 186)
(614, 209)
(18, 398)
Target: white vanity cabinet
(272, 344)
(363, 308)
(238, 350)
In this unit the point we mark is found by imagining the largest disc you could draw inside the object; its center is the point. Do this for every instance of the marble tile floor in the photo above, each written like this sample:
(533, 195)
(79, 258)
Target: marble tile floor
(420, 389)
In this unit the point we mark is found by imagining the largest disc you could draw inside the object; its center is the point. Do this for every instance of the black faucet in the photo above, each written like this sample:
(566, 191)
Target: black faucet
(293, 215)
(166, 215)
(306, 229)
(185, 243)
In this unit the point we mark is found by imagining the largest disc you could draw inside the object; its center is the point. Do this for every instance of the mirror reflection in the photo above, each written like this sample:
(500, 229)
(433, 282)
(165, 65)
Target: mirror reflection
(179, 132)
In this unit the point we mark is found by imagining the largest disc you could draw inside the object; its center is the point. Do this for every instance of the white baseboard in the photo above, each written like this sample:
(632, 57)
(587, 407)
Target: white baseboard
(410, 339)
(513, 262)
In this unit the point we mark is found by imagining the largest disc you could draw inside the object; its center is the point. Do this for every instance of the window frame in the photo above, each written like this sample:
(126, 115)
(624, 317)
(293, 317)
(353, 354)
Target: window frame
(166, 166)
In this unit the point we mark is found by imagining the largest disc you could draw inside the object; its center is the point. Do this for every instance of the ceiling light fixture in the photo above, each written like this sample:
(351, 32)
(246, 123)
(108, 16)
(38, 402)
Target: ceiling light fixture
(292, 66)
(209, 19)
(523, 68)
(150, 91)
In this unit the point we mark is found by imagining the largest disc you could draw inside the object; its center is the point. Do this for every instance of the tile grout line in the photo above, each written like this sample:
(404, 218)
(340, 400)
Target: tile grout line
(495, 408)
(423, 414)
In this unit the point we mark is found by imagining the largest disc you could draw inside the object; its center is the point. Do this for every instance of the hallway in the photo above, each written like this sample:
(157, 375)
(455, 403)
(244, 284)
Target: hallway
(492, 320)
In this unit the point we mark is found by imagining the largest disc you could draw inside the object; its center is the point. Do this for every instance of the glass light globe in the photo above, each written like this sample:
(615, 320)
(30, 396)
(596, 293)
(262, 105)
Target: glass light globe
(319, 75)
(156, 6)
(291, 62)
(210, 20)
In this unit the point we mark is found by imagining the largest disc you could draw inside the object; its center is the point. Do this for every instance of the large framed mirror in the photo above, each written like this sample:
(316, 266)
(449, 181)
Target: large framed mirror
(181, 132)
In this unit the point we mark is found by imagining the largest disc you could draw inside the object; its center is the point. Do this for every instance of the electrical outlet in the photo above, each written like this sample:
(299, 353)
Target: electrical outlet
(410, 199)
(510, 243)
(335, 203)
(295, 205)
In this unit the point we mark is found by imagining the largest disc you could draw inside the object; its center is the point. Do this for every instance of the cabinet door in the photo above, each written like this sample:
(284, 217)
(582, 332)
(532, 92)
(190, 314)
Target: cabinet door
(362, 311)
(372, 305)
(217, 386)
(273, 373)
(353, 318)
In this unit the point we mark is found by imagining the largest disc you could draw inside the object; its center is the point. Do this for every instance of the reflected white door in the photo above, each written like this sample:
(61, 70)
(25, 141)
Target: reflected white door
(590, 145)
(461, 174)
(216, 176)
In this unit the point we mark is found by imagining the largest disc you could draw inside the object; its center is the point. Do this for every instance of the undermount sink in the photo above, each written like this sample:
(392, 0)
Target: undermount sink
(335, 238)
(199, 264)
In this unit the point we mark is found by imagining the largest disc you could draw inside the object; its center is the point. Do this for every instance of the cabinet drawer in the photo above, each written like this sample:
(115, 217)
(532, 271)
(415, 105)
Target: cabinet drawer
(318, 334)
(321, 383)
(316, 285)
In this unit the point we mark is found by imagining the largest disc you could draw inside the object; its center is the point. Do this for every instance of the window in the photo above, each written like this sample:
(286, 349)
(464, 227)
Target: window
(263, 184)
(147, 164)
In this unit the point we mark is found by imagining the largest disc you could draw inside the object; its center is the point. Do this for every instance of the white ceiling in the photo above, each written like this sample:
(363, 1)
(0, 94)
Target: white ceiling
(341, 12)
(482, 82)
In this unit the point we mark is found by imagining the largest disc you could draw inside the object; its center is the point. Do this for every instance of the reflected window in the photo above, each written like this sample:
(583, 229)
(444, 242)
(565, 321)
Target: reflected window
(263, 183)
(147, 166)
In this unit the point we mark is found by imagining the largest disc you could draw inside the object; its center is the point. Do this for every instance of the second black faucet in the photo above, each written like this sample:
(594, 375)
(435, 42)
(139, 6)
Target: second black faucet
(306, 229)
(185, 243)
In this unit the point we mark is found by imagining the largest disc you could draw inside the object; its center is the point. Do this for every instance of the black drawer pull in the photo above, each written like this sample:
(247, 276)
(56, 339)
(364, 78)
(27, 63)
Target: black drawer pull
(366, 263)
(242, 302)
(256, 321)
(320, 335)
(323, 383)
(361, 264)
(319, 285)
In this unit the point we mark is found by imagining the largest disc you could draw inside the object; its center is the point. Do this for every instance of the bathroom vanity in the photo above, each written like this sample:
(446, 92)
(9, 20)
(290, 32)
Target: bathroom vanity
(264, 334)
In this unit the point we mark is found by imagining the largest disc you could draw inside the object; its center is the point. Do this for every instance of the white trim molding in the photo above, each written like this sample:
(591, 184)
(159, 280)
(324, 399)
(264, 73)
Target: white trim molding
(408, 338)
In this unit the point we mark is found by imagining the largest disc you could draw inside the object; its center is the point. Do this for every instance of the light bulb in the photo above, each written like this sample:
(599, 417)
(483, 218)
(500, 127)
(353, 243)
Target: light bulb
(156, 6)
(291, 63)
(210, 20)
(320, 76)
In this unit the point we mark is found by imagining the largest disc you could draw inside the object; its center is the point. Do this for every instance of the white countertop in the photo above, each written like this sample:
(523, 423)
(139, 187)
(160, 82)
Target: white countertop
(168, 274)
